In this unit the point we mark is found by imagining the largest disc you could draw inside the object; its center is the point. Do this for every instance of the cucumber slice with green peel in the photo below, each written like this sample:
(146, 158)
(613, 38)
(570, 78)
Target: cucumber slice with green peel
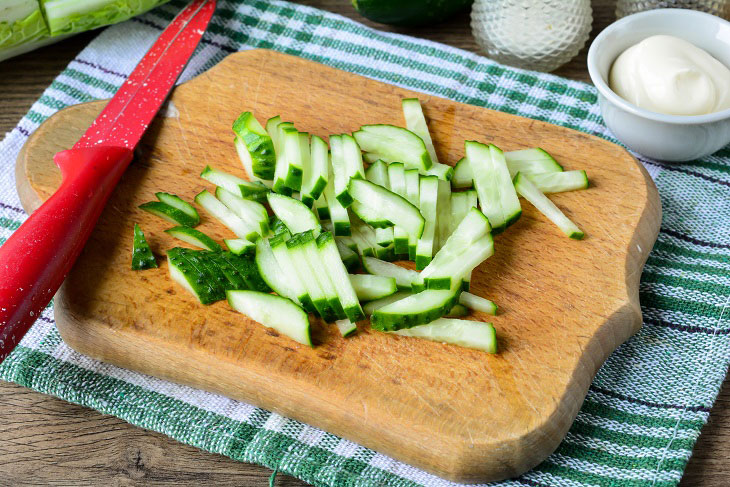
(416, 309)
(347, 328)
(320, 206)
(276, 226)
(369, 287)
(349, 256)
(315, 179)
(194, 237)
(272, 273)
(559, 182)
(428, 193)
(188, 276)
(347, 164)
(240, 187)
(416, 123)
(282, 167)
(371, 157)
(401, 240)
(305, 152)
(444, 277)
(531, 193)
(370, 307)
(170, 213)
(367, 233)
(403, 277)
(353, 157)
(251, 212)
(335, 269)
(443, 215)
(240, 246)
(272, 125)
(259, 153)
(202, 260)
(413, 182)
(508, 199)
(364, 247)
(394, 144)
(466, 282)
(296, 215)
(295, 276)
(464, 333)
(246, 265)
(384, 236)
(177, 202)
(307, 275)
(486, 183)
(338, 213)
(293, 158)
(347, 241)
(235, 279)
(221, 212)
(378, 173)
(142, 257)
(461, 203)
(458, 311)
(477, 303)
(384, 205)
(397, 178)
(441, 171)
(325, 281)
(463, 176)
(210, 276)
(272, 311)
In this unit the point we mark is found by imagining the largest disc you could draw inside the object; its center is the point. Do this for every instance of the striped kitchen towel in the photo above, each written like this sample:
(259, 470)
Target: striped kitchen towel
(646, 406)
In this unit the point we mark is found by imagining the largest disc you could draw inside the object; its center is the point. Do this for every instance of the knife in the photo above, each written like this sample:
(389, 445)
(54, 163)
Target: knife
(38, 256)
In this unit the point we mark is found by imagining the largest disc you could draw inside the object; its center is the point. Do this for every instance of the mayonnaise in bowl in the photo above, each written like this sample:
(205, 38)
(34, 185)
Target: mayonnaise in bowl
(669, 75)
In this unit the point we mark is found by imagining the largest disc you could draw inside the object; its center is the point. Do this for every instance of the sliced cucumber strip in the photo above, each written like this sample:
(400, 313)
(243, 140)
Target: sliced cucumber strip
(465, 333)
(441, 171)
(458, 311)
(272, 125)
(428, 193)
(403, 277)
(335, 269)
(293, 158)
(417, 309)
(307, 275)
(529, 191)
(397, 178)
(370, 307)
(347, 328)
(477, 303)
(194, 237)
(296, 215)
(559, 182)
(235, 278)
(486, 183)
(259, 148)
(142, 257)
(240, 246)
(295, 276)
(394, 144)
(367, 233)
(325, 281)
(508, 199)
(337, 212)
(416, 123)
(378, 173)
(215, 278)
(305, 152)
(170, 213)
(369, 287)
(461, 203)
(349, 256)
(177, 202)
(347, 241)
(531, 161)
(272, 311)
(320, 206)
(251, 212)
(195, 280)
(364, 247)
(315, 179)
(384, 236)
(272, 273)
(443, 214)
(386, 206)
(282, 167)
(413, 182)
(240, 187)
(462, 175)
(246, 265)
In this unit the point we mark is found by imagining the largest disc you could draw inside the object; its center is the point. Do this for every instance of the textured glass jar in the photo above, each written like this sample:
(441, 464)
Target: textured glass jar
(531, 34)
(721, 8)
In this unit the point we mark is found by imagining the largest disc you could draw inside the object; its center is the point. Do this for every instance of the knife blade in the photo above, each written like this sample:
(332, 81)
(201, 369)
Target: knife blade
(36, 258)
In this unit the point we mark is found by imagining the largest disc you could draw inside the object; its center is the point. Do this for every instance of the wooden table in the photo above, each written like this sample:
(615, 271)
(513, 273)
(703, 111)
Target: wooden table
(46, 441)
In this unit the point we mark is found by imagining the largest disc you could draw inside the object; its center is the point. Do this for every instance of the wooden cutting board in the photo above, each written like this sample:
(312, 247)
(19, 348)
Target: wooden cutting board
(565, 305)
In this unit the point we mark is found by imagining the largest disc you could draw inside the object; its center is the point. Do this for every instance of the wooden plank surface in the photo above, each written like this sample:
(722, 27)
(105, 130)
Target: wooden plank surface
(44, 440)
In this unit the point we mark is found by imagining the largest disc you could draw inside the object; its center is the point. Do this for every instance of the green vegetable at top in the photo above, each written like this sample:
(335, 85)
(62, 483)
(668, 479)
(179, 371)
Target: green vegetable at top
(409, 12)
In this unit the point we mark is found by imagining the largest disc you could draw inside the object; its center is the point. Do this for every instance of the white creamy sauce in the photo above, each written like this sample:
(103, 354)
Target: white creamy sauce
(669, 75)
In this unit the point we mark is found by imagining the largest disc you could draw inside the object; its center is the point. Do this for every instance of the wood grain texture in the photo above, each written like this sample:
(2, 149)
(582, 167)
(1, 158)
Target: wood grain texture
(427, 410)
(39, 432)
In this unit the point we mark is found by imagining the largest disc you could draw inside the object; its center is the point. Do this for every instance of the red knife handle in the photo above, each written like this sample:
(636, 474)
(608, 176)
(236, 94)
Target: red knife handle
(36, 258)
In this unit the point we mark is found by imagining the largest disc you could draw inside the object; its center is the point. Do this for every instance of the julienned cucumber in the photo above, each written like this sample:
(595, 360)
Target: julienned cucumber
(337, 213)
(527, 161)
(272, 273)
(347, 328)
(295, 214)
(170, 213)
(394, 144)
(404, 278)
(316, 178)
(194, 237)
(369, 287)
(251, 212)
(222, 213)
(240, 246)
(255, 147)
(195, 280)
(559, 182)
(274, 312)
(477, 303)
(417, 309)
(142, 257)
(428, 192)
(378, 205)
(177, 202)
(240, 187)
(335, 269)
(370, 307)
(465, 333)
(531, 193)
(416, 123)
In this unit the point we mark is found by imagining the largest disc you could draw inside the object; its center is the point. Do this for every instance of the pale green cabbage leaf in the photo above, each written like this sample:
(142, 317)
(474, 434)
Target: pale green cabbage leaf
(71, 16)
(21, 21)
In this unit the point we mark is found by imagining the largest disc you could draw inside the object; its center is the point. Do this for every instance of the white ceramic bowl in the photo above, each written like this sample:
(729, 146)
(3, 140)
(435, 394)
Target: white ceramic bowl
(655, 135)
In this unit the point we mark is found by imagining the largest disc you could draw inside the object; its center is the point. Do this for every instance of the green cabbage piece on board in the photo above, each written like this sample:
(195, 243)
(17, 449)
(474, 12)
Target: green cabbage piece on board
(21, 21)
(71, 16)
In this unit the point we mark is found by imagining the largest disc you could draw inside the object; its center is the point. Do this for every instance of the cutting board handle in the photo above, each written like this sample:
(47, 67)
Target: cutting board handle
(37, 257)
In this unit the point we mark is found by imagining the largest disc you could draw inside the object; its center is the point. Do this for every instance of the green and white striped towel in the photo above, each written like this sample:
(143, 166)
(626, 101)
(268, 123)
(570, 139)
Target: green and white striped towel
(647, 404)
